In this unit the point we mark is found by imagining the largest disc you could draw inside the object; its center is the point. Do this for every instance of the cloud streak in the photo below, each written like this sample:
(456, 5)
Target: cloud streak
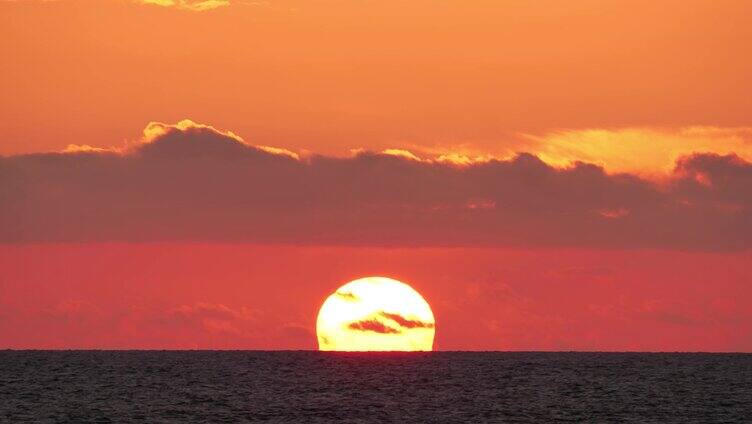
(377, 325)
(191, 182)
(372, 325)
(407, 323)
(646, 151)
(192, 5)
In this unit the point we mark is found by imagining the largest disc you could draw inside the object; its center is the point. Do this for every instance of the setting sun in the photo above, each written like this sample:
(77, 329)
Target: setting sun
(375, 314)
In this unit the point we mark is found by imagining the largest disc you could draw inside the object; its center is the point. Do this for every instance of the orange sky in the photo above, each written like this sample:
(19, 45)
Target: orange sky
(627, 228)
(330, 76)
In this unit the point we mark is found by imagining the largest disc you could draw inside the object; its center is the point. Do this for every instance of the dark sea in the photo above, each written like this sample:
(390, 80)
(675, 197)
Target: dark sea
(304, 387)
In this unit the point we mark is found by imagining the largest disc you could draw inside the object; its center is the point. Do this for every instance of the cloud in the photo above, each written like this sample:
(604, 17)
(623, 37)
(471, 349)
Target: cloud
(192, 182)
(212, 318)
(155, 130)
(646, 151)
(297, 332)
(349, 296)
(373, 325)
(192, 5)
(669, 312)
(407, 323)
(73, 311)
(203, 310)
(401, 153)
(376, 324)
(700, 312)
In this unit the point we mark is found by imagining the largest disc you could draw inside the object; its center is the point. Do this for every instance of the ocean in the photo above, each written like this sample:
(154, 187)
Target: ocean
(440, 387)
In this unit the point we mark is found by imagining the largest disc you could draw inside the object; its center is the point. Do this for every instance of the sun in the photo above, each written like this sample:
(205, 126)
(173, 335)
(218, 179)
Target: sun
(375, 314)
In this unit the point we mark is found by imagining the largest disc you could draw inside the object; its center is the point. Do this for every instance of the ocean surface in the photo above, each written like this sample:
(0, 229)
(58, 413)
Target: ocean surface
(462, 387)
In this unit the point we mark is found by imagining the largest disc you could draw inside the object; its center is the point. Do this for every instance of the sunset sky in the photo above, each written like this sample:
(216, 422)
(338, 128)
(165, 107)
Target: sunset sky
(549, 175)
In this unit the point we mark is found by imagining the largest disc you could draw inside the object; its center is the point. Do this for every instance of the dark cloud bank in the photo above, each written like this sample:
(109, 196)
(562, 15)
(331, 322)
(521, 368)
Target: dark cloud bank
(196, 184)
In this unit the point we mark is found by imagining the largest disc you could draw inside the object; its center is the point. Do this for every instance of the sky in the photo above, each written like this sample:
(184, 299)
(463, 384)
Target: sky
(548, 175)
